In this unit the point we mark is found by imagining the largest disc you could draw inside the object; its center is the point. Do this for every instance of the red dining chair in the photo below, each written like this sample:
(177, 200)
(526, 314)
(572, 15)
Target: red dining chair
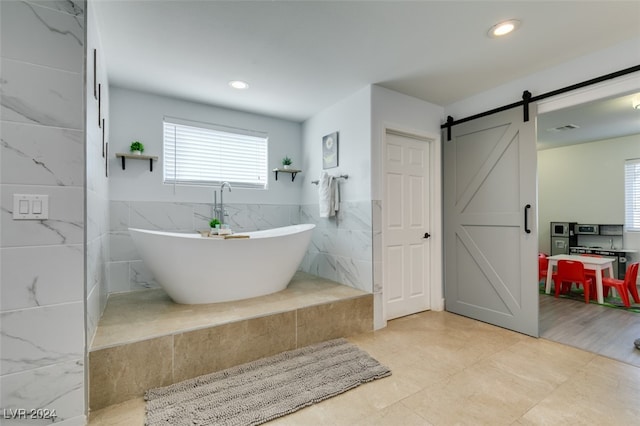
(624, 287)
(543, 264)
(570, 272)
(590, 272)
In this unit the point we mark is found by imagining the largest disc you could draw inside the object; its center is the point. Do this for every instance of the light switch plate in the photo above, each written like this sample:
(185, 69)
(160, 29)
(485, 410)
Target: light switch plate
(30, 207)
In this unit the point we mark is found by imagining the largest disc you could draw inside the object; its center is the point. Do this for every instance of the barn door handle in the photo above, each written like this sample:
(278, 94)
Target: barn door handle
(426, 235)
(526, 216)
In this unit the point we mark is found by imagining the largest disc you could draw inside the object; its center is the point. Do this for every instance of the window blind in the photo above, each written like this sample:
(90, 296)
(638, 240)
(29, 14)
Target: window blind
(632, 194)
(206, 154)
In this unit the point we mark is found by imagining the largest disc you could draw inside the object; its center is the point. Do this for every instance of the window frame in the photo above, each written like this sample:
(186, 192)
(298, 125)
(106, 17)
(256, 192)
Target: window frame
(194, 170)
(632, 195)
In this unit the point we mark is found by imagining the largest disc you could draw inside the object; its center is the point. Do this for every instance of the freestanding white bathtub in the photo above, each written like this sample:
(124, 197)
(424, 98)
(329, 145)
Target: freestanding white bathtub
(194, 269)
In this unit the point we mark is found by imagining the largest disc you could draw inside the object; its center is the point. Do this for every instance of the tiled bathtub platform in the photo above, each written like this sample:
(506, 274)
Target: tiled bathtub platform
(144, 340)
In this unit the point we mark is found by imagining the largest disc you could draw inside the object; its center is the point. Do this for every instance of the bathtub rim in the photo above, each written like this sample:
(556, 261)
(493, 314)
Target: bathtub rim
(260, 234)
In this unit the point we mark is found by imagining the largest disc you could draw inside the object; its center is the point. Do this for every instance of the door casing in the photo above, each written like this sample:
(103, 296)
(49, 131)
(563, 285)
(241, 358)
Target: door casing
(435, 201)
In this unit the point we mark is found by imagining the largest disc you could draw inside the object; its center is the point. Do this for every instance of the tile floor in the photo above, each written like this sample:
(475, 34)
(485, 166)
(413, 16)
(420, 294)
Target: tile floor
(449, 369)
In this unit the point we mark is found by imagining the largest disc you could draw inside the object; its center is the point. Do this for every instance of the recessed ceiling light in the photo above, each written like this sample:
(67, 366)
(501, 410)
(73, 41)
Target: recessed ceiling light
(504, 28)
(239, 84)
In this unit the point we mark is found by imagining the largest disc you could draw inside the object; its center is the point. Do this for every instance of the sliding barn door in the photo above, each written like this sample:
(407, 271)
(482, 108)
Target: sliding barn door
(490, 216)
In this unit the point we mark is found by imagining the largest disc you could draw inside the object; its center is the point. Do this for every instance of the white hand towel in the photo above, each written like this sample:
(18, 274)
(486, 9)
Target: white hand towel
(335, 196)
(324, 193)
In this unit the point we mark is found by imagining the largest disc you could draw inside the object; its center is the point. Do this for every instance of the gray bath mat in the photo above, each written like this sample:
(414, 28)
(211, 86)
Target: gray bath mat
(262, 390)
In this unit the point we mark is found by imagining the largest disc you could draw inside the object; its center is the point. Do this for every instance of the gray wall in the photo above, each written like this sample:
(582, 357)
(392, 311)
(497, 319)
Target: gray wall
(138, 116)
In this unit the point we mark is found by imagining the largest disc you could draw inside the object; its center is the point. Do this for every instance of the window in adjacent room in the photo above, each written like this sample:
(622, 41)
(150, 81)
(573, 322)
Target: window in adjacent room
(206, 154)
(632, 194)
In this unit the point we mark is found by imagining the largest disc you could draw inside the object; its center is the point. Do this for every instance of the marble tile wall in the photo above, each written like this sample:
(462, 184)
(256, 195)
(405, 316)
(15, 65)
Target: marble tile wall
(97, 185)
(376, 217)
(126, 270)
(341, 246)
(42, 334)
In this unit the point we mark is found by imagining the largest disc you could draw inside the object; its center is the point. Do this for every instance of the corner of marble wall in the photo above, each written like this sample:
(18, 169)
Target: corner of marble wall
(93, 313)
(294, 215)
(376, 219)
(140, 277)
(341, 247)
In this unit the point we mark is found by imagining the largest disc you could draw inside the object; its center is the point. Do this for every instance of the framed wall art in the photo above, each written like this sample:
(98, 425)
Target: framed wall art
(330, 150)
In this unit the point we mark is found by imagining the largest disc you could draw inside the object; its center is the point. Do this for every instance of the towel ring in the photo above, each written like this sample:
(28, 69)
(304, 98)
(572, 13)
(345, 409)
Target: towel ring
(317, 182)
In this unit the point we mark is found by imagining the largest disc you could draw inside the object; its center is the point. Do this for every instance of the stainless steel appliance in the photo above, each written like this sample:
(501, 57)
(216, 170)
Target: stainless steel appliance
(620, 258)
(581, 229)
(562, 237)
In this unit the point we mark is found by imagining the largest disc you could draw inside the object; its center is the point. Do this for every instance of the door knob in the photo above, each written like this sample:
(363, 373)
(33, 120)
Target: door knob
(426, 235)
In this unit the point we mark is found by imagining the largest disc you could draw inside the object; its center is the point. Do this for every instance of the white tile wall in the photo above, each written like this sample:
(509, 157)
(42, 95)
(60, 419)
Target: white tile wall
(42, 336)
(40, 275)
(33, 155)
(64, 226)
(73, 7)
(341, 247)
(40, 95)
(32, 338)
(161, 216)
(57, 387)
(59, 35)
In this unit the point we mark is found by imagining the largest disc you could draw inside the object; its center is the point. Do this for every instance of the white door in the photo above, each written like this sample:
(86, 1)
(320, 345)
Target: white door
(405, 221)
(490, 220)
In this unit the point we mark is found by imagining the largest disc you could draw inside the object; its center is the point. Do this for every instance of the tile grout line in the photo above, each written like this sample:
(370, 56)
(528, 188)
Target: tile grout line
(295, 331)
(173, 358)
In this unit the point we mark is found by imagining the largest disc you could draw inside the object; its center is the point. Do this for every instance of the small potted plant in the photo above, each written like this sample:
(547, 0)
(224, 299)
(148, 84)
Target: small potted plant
(214, 224)
(286, 162)
(136, 148)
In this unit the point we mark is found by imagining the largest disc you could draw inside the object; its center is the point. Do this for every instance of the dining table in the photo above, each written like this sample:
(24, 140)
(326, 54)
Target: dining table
(596, 264)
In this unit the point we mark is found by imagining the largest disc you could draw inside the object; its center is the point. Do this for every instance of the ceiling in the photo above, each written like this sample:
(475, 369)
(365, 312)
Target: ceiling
(301, 57)
(593, 121)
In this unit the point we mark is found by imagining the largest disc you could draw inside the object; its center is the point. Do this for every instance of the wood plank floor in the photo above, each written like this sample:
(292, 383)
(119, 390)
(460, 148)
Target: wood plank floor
(598, 329)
